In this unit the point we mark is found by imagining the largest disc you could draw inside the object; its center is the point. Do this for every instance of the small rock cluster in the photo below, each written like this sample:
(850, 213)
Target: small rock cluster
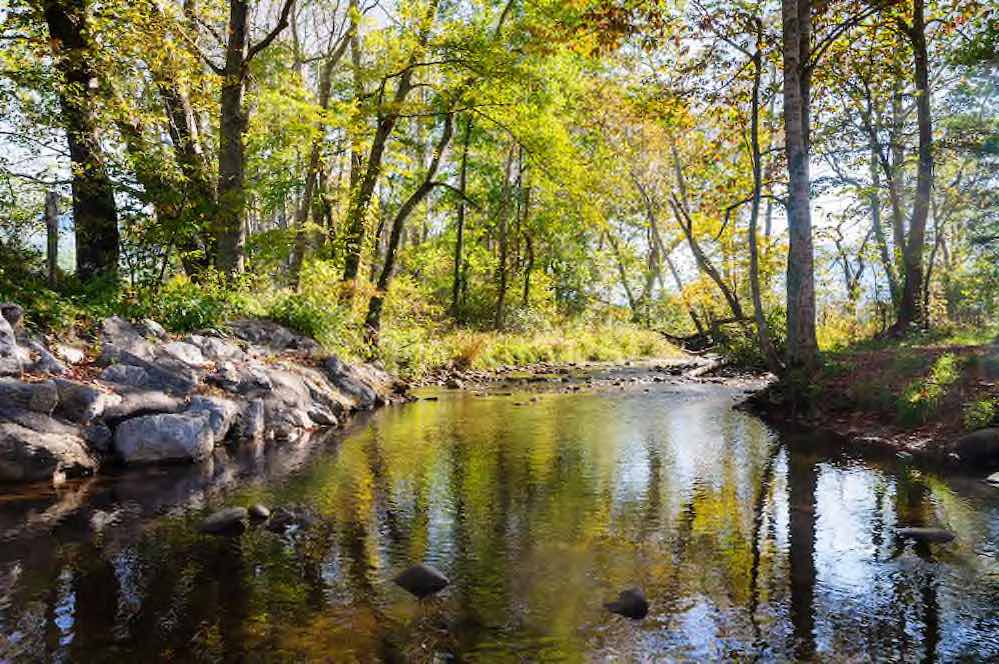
(150, 398)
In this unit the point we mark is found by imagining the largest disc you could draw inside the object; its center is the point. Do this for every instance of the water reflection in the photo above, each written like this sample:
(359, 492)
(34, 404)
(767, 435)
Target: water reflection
(748, 547)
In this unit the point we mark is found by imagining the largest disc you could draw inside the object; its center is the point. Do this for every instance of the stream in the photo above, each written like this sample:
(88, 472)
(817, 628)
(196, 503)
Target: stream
(747, 544)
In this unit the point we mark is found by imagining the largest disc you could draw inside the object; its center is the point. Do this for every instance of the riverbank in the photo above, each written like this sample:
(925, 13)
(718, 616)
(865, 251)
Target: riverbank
(136, 395)
(932, 401)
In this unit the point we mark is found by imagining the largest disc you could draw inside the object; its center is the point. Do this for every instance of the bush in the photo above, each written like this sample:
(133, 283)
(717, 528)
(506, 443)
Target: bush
(979, 414)
(923, 396)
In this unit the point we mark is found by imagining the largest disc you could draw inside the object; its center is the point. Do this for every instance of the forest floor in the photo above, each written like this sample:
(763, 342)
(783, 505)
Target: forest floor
(920, 397)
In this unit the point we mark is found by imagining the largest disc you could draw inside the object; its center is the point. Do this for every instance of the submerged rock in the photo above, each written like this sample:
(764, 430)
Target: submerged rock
(978, 447)
(630, 603)
(919, 534)
(422, 580)
(289, 519)
(993, 479)
(259, 512)
(229, 521)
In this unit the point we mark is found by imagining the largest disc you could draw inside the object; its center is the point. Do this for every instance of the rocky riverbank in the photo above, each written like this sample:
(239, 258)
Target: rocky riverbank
(137, 395)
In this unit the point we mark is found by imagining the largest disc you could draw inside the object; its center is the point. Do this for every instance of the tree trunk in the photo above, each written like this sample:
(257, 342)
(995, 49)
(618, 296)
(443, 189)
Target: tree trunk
(361, 196)
(312, 169)
(95, 215)
(52, 237)
(802, 347)
(762, 331)
(372, 322)
(231, 233)
(459, 243)
(501, 271)
(911, 310)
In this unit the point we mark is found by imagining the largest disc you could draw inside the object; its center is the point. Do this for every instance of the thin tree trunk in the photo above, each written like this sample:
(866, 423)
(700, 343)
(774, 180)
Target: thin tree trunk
(911, 310)
(361, 197)
(52, 237)
(802, 346)
(95, 214)
(762, 331)
(372, 321)
(501, 269)
(312, 170)
(459, 243)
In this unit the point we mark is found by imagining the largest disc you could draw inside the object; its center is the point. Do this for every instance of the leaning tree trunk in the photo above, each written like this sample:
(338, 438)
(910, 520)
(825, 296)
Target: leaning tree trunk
(802, 346)
(95, 215)
(911, 309)
(372, 323)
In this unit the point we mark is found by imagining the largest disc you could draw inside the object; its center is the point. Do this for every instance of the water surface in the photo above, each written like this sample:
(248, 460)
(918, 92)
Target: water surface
(748, 546)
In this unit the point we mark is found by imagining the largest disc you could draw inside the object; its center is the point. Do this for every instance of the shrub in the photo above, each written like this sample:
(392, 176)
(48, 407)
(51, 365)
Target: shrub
(979, 414)
(923, 396)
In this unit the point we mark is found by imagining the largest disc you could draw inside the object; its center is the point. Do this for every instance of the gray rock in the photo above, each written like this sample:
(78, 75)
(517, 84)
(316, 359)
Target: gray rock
(28, 455)
(98, 435)
(216, 349)
(229, 521)
(69, 354)
(165, 437)
(46, 361)
(151, 328)
(993, 479)
(137, 401)
(125, 374)
(250, 422)
(118, 337)
(287, 520)
(243, 379)
(220, 413)
(40, 397)
(630, 603)
(82, 403)
(422, 580)
(940, 535)
(260, 512)
(12, 313)
(979, 447)
(164, 373)
(184, 352)
(366, 385)
(11, 355)
(272, 336)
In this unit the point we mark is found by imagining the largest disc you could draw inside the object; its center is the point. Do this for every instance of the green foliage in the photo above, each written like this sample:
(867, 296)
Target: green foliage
(739, 343)
(185, 306)
(923, 396)
(979, 414)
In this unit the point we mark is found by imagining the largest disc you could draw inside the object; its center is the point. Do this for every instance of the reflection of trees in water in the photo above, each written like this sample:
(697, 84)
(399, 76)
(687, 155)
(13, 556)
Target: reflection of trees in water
(802, 480)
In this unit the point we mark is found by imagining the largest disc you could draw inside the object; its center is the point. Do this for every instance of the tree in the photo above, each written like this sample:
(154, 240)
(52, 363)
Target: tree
(95, 215)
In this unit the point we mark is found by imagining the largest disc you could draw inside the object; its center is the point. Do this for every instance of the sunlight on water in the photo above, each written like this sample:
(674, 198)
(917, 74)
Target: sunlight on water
(747, 546)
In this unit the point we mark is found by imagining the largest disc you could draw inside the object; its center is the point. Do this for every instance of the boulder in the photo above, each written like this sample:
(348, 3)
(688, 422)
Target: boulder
(40, 397)
(12, 356)
(69, 354)
(919, 534)
(259, 512)
(184, 352)
(45, 362)
(215, 349)
(125, 374)
(164, 373)
(630, 603)
(288, 520)
(241, 379)
(82, 403)
(165, 437)
(98, 435)
(348, 380)
(220, 413)
(138, 401)
(29, 455)
(250, 421)
(151, 328)
(421, 580)
(230, 521)
(978, 448)
(118, 336)
(272, 336)
(12, 313)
